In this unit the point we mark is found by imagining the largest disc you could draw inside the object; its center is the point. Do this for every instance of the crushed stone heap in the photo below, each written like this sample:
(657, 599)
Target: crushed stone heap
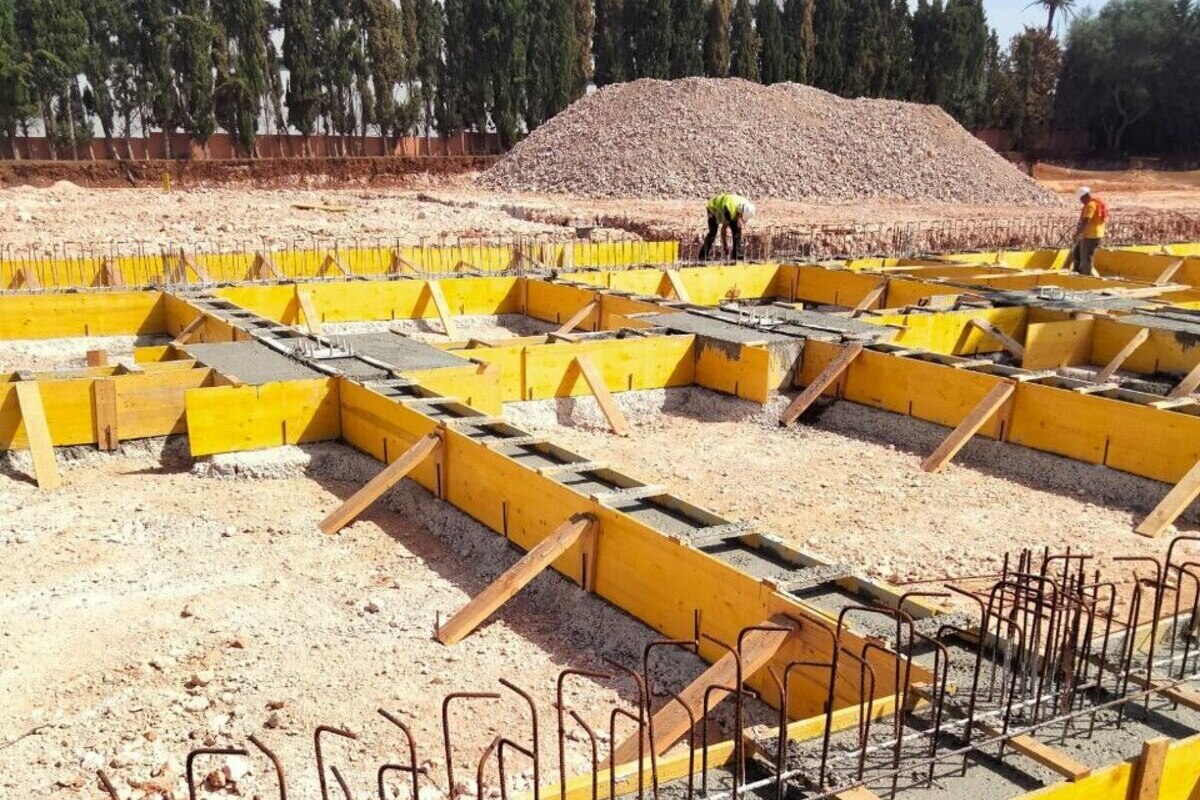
(697, 137)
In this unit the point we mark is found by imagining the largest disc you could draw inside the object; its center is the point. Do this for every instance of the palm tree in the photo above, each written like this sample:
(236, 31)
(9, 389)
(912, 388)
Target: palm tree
(1067, 7)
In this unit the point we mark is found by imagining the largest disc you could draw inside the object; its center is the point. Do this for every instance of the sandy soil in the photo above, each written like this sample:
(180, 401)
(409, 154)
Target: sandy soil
(150, 607)
(60, 354)
(849, 487)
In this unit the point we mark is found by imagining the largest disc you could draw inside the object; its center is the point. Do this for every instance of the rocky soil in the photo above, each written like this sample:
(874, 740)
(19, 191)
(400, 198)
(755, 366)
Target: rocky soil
(700, 136)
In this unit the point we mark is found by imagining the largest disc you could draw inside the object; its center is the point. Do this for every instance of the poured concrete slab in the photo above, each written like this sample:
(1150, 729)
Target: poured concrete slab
(401, 352)
(250, 362)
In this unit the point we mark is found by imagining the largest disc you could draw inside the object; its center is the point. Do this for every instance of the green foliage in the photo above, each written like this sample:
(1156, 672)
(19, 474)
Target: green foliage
(800, 38)
(744, 43)
(950, 48)
(1034, 59)
(716, 40)
(551, 60)
(827, 70)
(648, 30)
(772, 54)
(687, 40)
(301, 59)
(608, 43)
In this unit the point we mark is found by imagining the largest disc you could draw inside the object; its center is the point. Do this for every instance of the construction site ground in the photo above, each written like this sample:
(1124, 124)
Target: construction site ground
(237, 216)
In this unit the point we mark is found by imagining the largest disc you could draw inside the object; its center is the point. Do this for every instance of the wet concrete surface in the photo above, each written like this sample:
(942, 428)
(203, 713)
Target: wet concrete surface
(250, 362)
(401, 352)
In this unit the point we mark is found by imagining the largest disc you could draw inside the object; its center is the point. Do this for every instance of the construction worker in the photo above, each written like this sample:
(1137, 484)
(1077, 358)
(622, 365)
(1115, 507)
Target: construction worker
(1089, 233)
(727, 211)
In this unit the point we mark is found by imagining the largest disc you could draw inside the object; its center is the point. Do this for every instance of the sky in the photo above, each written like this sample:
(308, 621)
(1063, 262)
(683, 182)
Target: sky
(1009, 17)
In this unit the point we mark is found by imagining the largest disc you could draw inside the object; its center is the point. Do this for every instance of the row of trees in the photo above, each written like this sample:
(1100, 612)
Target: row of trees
(353, 67)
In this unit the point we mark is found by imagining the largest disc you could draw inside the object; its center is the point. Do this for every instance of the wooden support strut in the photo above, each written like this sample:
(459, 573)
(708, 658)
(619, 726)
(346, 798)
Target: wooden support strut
(868, 301)
(970, 425)
(443, 309)
(263, 267)
(612, 413)
(1168, 274)
(515, 578)
(1147, 777)
(348, 511)
(828, 375)
(1136, 341)
(677, 286)
(1007, 342)
(1188, 385)
(576, 318)
(671, 723)
(104, 393)
(189, 330)
(37, 432)
(309, 308)
(1171, 506)
(332, 260)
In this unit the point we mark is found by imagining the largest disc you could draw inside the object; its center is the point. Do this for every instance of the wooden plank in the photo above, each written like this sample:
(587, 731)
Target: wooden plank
(970, 425)
(576, 318)
(1171, 506)
(332, 260)
(1007, 342)
(388, 477)
(1110, 369)
(1044, 754)
(309, 308)
(671, 723)
(1147, 776)
(616, 420)
(1188, 385)
(263, 267)
(105, 395)
(398, 264)
(677, 285)
(514, 579)
(857, 793)
(97, 358)
(832, 371)
(868, 301)
(1168, 274)
(185, 335)
(443, 309)
(197, 267)
(37, 432)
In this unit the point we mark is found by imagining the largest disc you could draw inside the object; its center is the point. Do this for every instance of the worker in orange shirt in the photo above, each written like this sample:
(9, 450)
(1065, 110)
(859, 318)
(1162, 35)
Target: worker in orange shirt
(1089, 234)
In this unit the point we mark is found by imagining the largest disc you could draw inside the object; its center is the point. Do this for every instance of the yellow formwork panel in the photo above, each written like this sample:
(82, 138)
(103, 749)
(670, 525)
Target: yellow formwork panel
(180, 314)
(477, 385)
(1174, 352)
(48, 316)
(745, 371)
(1018, 259)
(1063, 343)
(1064, 280)
(1180, 778)
(1146, 267)
(384, 429)
(147, 405)
(949, 332)
(228, 419)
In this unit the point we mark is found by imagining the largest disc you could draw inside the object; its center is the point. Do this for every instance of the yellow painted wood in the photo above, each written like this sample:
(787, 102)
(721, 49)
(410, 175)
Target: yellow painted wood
(441, 307)
(1188, 385)
(579, 316)
(1163, 351)
(1007, 342)
(309, 309)
(228, 419)
(45, 316)
(831, 373)
(951, 332)
(1051, 345)
(37, 434)
(1110, 369)
(987, 408)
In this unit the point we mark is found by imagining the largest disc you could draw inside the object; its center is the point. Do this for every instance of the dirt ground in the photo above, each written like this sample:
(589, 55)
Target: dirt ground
(153, 606)
(215, 218)
(848, 486)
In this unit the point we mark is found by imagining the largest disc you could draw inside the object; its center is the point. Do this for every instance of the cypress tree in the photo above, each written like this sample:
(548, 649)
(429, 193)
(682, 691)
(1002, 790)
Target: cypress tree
(800, 39)
(585, 28)
(385, 31)
(608, 43)
(773, 56)
(452, 90)
(687, 40)
(550, 78)
(899, 80)
(716, 40)
(192, 62)
(429, 50)
(55, 34)
(300, 57)
(744, 44)
(828, 67)
(15, 105)
(505, 39)
(107, 26)
(649, 33)
(864, 45)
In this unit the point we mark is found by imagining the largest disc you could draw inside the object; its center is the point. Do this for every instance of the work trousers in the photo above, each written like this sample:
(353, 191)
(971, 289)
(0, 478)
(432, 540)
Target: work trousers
(1085, 251)
(713, 227)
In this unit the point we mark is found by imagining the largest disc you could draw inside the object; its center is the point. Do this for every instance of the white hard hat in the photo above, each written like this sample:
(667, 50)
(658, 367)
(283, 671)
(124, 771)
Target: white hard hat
(1082, 192)
(747, 210)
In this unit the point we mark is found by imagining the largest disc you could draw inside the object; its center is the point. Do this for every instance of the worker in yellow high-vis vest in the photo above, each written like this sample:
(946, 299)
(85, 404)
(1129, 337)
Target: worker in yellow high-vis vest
(727, 211)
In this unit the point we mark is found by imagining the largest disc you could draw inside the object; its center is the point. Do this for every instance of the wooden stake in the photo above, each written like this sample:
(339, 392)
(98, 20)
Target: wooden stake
(616, 420)
(1188, 384)
(1168, 274)
(1136, 341)
(677, 285)
(869, 300)
(104, 393)
(671, 723)
(187, 261)
(97, 358)
(37, 433)
(970, 425)
(514, 579)
(576, 318)
(1174, 504)
(832, 371)
(311, 318)
(348, 511)
(439, 302)
(1007, 342)
(1147, 777)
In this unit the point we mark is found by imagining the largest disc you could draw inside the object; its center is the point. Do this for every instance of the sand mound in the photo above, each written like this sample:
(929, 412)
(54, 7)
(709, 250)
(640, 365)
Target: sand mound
(700, 136)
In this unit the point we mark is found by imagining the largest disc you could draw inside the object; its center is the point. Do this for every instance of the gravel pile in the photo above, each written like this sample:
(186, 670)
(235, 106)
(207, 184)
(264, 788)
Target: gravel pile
(700, 136)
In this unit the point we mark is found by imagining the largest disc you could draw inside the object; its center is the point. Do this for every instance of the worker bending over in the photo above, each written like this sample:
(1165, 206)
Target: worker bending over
(727, 211)
(1090, 231)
